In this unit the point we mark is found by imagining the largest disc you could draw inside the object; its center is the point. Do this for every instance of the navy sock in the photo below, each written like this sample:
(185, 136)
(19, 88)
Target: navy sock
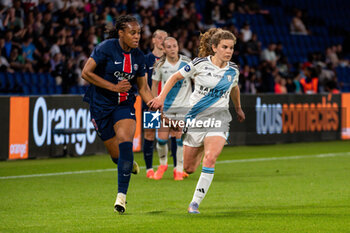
(173, 149)
(126, 158)
(115, 160)
(148, 153)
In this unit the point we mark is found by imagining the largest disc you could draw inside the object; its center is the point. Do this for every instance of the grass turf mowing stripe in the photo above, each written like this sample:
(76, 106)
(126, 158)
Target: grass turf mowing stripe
(218, 162)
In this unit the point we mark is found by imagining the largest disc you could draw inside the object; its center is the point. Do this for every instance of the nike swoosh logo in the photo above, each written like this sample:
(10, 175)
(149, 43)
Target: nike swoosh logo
(132, 114)
(126, 174)
(117, 62)
(151, 68)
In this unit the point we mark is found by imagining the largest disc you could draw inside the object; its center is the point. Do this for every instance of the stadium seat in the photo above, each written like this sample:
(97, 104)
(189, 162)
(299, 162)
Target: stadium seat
(3, 81)
(11, 81)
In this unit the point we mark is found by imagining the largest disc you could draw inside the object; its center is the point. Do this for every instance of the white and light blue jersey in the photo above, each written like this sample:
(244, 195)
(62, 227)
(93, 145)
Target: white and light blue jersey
(212, 88)
(178, 97)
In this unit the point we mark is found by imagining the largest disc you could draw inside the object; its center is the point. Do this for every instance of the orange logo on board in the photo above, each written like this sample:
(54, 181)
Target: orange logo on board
(19, 127)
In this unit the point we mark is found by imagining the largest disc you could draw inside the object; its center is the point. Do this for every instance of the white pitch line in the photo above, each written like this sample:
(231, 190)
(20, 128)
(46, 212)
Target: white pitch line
(218, 162)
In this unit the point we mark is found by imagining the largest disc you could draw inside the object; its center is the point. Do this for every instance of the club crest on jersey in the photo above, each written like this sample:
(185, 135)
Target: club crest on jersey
(229, 78)
(187, 68)
(136, 67)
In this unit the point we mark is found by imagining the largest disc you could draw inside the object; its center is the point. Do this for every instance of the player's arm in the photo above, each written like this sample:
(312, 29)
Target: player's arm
(158, 102)
(89, 75)
(236, 99)
(144, 90)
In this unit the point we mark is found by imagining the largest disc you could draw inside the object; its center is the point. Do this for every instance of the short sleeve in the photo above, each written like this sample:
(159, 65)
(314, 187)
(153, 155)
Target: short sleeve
(99, 53)
(235, 79)
(156, 75)
(188, 70)
(141, 65)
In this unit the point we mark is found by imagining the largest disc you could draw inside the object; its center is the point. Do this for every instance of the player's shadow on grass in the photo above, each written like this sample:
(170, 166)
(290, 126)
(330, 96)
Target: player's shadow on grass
(264, 211)
(156, 212)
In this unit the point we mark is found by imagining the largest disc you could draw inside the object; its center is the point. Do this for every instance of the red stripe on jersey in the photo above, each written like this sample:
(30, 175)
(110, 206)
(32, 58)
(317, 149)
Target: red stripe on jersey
(127, 62)
(127, 69)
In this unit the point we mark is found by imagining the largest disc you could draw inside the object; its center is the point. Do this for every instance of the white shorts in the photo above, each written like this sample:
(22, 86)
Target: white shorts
(196, 139)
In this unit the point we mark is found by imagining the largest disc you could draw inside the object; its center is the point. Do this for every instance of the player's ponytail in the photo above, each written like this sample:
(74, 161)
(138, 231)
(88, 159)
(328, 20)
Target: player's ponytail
(205, 42)
(120, 24)
(160, 62)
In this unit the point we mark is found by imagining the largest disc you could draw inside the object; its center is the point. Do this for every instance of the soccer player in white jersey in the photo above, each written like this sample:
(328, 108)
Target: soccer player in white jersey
(215, 79)
(177, 100)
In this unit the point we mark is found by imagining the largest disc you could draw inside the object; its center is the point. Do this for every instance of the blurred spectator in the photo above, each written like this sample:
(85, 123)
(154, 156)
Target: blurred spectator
(253, 46)
(44, 64)
(28, 49)
(229, 12)
(246, 32)
(283, 67)
(4, 65)
(240, 46)
(13, 22)
(297, 26)
(290, 85)
(280, 85)
(332, 56)
(18, 63)
(331, 87)
(269, 54)
(309, 82)
(279, 50)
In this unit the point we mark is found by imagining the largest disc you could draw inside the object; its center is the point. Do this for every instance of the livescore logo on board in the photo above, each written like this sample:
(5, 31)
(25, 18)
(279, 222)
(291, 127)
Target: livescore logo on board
(296, 117)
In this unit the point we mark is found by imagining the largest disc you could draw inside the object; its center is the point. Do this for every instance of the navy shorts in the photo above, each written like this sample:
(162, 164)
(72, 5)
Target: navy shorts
(104, 126)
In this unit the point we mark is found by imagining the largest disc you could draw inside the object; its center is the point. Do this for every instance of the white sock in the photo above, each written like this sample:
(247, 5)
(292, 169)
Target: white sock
(179, 159)
(162, 153)
(203, 184)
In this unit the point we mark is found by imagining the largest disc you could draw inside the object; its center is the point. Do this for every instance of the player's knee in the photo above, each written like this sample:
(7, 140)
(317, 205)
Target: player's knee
(149, 135)
(189, 169)
(124, 138)
(209, 159)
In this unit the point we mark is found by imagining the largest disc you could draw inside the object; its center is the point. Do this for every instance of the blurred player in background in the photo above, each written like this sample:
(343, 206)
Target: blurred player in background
(149, 134)
(176, 102)
(116, 72)
(215, 79)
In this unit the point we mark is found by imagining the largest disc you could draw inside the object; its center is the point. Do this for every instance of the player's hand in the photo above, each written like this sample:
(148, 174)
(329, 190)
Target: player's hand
(123, 86)
(240, 115)
(155, 104)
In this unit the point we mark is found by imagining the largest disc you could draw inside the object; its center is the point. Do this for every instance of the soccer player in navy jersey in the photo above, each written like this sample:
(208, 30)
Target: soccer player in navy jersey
(116, 71)
(149, 134)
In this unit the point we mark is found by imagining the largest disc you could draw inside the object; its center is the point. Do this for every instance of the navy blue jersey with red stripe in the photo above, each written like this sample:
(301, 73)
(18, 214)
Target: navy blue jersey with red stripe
(114, 65)
(150, 59)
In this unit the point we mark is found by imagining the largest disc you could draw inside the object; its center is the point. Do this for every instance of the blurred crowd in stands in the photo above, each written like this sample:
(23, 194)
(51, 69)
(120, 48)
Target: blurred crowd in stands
(57, 36)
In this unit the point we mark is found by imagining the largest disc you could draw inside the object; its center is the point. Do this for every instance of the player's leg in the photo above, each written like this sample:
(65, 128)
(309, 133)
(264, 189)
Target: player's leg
(124, 130)
(149, 135)
(173, 146)
(162, 148)
(112, 146)
(192, 150)
(212, 148)
(178, 168)
(192, 157)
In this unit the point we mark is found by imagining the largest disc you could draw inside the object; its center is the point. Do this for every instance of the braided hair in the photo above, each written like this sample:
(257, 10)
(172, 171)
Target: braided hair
(120, 24)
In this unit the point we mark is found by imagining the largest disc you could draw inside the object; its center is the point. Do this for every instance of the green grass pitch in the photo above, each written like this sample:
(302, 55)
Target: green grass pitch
(301, 187)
